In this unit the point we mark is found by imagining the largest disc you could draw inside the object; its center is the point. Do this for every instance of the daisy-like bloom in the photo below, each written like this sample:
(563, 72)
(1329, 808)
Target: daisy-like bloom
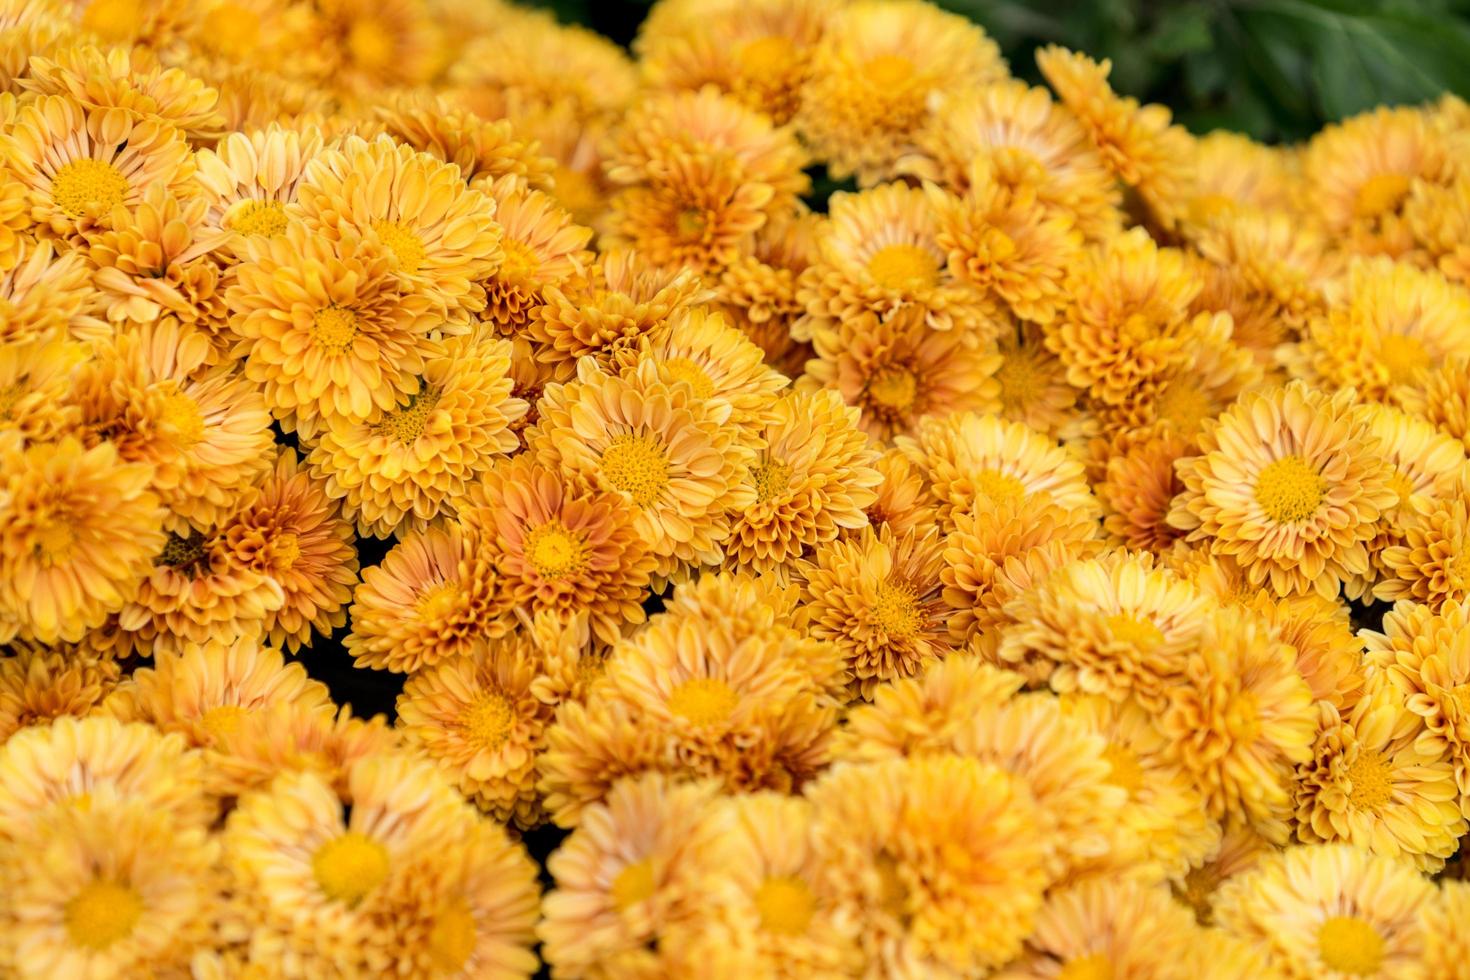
(78, 528)
(1331, 910)
(1446, 953)
(154, 260)
(40, 684)
(812, 478)
(876, 596)
(1442, 397)
(197, 591)
(1107, 927)
(620, 300)
(1440, 218)
(1130, 320)
(1387, 325)
(1033, 383)
(897, 370)
(966, 457)
(98, 78)
(623, 878)
(323, 866)
(541, 246)
(405, 467)
(1022, 140)
(1138, 489)
(725, 688)
(1370, 783)
(998, 550)
(442, 235)
(206, 690)
(1274, 257)
(1357, 174)
(1426, 652)
(206, 431)
(250, 177)
(80, 164)
(51, 769)
(293, 532)
(1431, 565)
(924, 714)
(47, 293)
(1164, 815)
(293, 736)
(35, 380)
(903, 503)
(1292, 483)
(1240, 850)
(559, 547)
(1239, 719)
(878, 253)
(771, 918)
(716, 360)
(485, 150)
(941, 888)
(435, 597)
(1008, 243)
(477, 717)
(1137, 143)
(327, 327)
(371, 46)
(758, 291)
(674, 457)
(1231, 169)
(108, 889)
(871, 76)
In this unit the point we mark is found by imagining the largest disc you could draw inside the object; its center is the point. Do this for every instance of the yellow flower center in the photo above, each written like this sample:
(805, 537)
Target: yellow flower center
(1185, 406)
(1206, 206)
(370, 43)
(488, 721)
(452, 939)
(53, 541)
(893, 894)
(1403, 357)
(1380, 195)
(181, 414)
(349, 866)
(102, 913)
(231, 30)
(889, 70)
(904, 268)
(637, 466)
(576, 191)
(1290, 490)
(334, 329)
(88, 186)
(1094, 966)
(1127, 772)
(766, 56)
(402, 241)
(113, 20)
(407, 423)
(1372, 781)
(1347, 944)
(267, 218)
(1400, 484)
(222, 719)
(690, 225)
(786, 905)
(997, 487)
(894, 388)
(771, 480)
(685, 370)
(1020, 376)
(633, 884)
(704, 701)
(438, 602)
(554, 551)
(519, 260)
(896, 612)
(1134, 631)
(1457, 570)
(285, 551)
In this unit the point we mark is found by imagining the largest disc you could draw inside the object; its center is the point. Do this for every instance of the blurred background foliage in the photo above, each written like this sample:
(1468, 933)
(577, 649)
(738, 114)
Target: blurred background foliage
(1275, 69)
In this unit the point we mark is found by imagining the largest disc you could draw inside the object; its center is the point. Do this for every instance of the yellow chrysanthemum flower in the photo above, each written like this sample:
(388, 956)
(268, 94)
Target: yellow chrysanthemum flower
(903, 503)
(1231, 169)
(435, 597)
(1240, 850)
(1446, 953)
(1033, 384)
(1137, 490)
(1331, 910)
(1432, 563)
(477, 717)
(486, 151)
(374, 45)
(1275, 259)
(40, 684)
(1443, 397)
(758, 291)
(47, 293)
(403, 468)
(542, 247)
(78, 529)
(36, 378)
(1292, 483)
(250, 177)
(866, 98)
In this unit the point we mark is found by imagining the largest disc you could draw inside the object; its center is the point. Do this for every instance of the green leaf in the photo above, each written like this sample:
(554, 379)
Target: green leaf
(1183, 30)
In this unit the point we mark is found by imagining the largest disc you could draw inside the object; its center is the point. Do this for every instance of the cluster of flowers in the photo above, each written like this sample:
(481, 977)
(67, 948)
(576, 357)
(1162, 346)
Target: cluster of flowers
(977, 577)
